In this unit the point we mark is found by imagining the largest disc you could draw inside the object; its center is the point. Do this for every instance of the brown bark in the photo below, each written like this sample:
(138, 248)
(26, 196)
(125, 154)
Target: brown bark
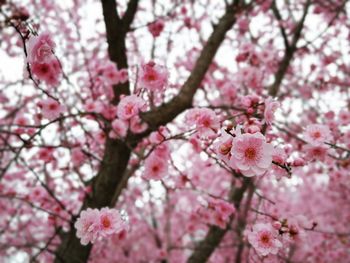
(116, 156)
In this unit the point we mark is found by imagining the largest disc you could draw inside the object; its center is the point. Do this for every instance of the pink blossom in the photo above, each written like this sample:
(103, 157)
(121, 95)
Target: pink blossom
(223, 146)
(111, 222)
(156, 27)
(50, 108)
(87, 226)
(49, 71)
(123, 75)
(317, 134)
(316, 152)
(40, 48)
(45, 154)
(263, 238)
(205, 120)
(110, 73)
(129, 106)
(78, 157)
(223, 208)
(120, 128)
(137, 125)
(156, 167)
(344, 117)
(94, 224)
(153, 77)
(251, 154)
(93, 106)
(270, 107)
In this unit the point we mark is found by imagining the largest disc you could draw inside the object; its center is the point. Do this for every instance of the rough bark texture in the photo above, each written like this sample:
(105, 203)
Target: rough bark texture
(116, 156)
(117, 153)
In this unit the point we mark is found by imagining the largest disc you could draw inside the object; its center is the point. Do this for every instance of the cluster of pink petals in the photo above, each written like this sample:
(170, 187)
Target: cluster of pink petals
(317, 134)
(205, 120)
(40, 48)
(264, 239)
(153, 77)
(94, 224)
(50, 108)
(251, 154)
(223, 146)
(129, 107)
(213, 211)
(220, 211)
(270, 108)
(119, 128)
(156, 27)
(112, 75)
(156, 164)
(44, 64)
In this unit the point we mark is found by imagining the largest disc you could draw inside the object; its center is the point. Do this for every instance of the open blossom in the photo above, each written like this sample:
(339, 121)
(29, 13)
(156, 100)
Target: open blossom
(40, 48)
(94, 224)
(49, 71)
(156, 167)
(270, 107)
(120, 128)
(344, 117)
(112, 75)
(317, 134)
(263, 238)
(316, 152)
(153, 77)
(110, 222)
(223, 145)
(129, 106)
(205, 120)
(87, 226)
(50, 108)
(251, 154)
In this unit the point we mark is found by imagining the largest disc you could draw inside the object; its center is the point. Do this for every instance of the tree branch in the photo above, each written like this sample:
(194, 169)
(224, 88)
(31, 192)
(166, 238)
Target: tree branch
(168, 111)
(206, 247)
(288, 55)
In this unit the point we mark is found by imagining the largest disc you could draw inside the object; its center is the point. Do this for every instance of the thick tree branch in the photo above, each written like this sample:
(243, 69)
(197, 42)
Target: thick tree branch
(168, 111)
(215, 234)
(117, 153)
(116, 30)
(130, 14)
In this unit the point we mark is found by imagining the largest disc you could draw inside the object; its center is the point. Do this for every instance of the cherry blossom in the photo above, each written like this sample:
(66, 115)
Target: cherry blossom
(205, 121)
(317, 134)
(153, 77)
(40, 48)
(264, 239)
(94, 224)
(251, 154)
(129, 107)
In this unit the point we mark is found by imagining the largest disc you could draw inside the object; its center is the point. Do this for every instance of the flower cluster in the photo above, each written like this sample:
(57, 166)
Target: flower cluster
(205, 121)
(44, 65)
(156, 164)
(249, 153)
(94, 224)
(153, 77)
